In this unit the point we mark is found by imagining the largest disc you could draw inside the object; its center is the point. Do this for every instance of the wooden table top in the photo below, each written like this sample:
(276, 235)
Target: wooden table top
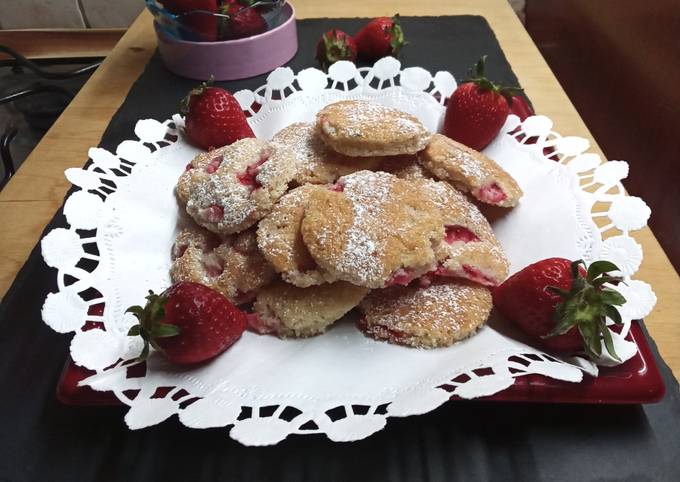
(31, 198)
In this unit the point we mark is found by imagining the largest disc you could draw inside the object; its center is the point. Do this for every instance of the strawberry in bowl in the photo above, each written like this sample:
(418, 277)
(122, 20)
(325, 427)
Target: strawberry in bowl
(225, 39)
(240, 21)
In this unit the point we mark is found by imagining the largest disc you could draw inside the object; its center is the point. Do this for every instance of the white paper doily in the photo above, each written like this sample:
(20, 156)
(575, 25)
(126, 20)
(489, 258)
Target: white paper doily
(123, 220)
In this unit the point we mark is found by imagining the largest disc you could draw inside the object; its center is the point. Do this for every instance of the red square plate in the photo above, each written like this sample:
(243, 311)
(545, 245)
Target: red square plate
(636, 381)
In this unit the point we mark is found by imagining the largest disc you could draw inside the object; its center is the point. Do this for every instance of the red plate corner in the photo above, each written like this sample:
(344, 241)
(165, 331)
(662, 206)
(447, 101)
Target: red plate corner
(634, 382)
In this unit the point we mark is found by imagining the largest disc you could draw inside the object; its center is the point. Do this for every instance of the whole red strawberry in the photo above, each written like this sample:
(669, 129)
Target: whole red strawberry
(379, 38)
(213, 117)
(561, 305)
(335, 45)
(203, 25)
(188, 323)
(243, 21)
(477, 110)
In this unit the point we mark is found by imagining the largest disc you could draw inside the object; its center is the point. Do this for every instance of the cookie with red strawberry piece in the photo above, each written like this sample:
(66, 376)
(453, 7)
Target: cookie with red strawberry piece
(477, 109)
(200, 166)
(469, 249)
(562, 305)
(233, 266)
(379, 38)
(291, 312)
(280, 240)
(193, 237)
(372, 229)
(363, 128)
(188, 323)
(335, 45)
(251, 177)
(213, 117)
(315, 162)
(470, 171)
(430, 316)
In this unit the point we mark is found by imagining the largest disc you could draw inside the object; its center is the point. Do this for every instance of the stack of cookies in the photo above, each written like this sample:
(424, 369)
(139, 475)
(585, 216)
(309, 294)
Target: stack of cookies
(363, 208)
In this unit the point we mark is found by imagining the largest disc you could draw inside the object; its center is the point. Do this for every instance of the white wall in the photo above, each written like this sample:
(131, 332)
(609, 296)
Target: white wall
(17, 14)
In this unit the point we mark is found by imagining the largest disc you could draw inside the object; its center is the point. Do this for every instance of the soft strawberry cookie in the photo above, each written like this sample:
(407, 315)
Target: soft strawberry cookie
(280, 239)
(315, 162)
(243, 187)
(234, 267)
(470, 171)
(200, 166)
(404, 167)
(372, 229)
(469, 248)
(291, 312)
(425, 317)
(362, 128)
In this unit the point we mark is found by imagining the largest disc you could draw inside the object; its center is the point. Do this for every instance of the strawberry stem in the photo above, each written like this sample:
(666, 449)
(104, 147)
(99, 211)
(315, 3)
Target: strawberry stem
(587, 305)
(397, 41)
(184, 103)
(150, 325)
(479, 78)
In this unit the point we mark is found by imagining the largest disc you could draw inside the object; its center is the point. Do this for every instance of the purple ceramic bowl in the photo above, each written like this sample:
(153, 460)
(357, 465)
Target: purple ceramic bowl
(231, 59)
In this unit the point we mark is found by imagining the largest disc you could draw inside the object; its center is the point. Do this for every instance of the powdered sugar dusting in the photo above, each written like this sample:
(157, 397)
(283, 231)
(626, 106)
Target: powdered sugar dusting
(368, 191)
(241, 203)
(436, 315)
(470, 171)
(272, 241)
(280, 240)
(360, 120)
(455, 208)
(222, 189)
(467, 164)
(277, 169)
(304, 145)
(363, 128)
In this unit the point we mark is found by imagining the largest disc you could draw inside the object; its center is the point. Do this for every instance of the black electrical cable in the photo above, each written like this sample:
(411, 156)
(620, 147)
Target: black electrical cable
(7, 161)
(22, 61)
(37, 89)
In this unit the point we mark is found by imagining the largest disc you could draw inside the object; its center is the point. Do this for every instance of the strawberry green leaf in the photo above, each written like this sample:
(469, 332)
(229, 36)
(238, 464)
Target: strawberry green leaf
(565, 320)
(136, 310)
(612, 297)
(164, 330)
(478, 77)
(155, 345)
(591, 339)
(480, 67)
(614, 315)
(578, 285)
(196, 91)
(587, 305)
(396, 36)
(608, 341)
(600, 267)
(135, 330)
(606, 279)
(145, 353)
(575, 271)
